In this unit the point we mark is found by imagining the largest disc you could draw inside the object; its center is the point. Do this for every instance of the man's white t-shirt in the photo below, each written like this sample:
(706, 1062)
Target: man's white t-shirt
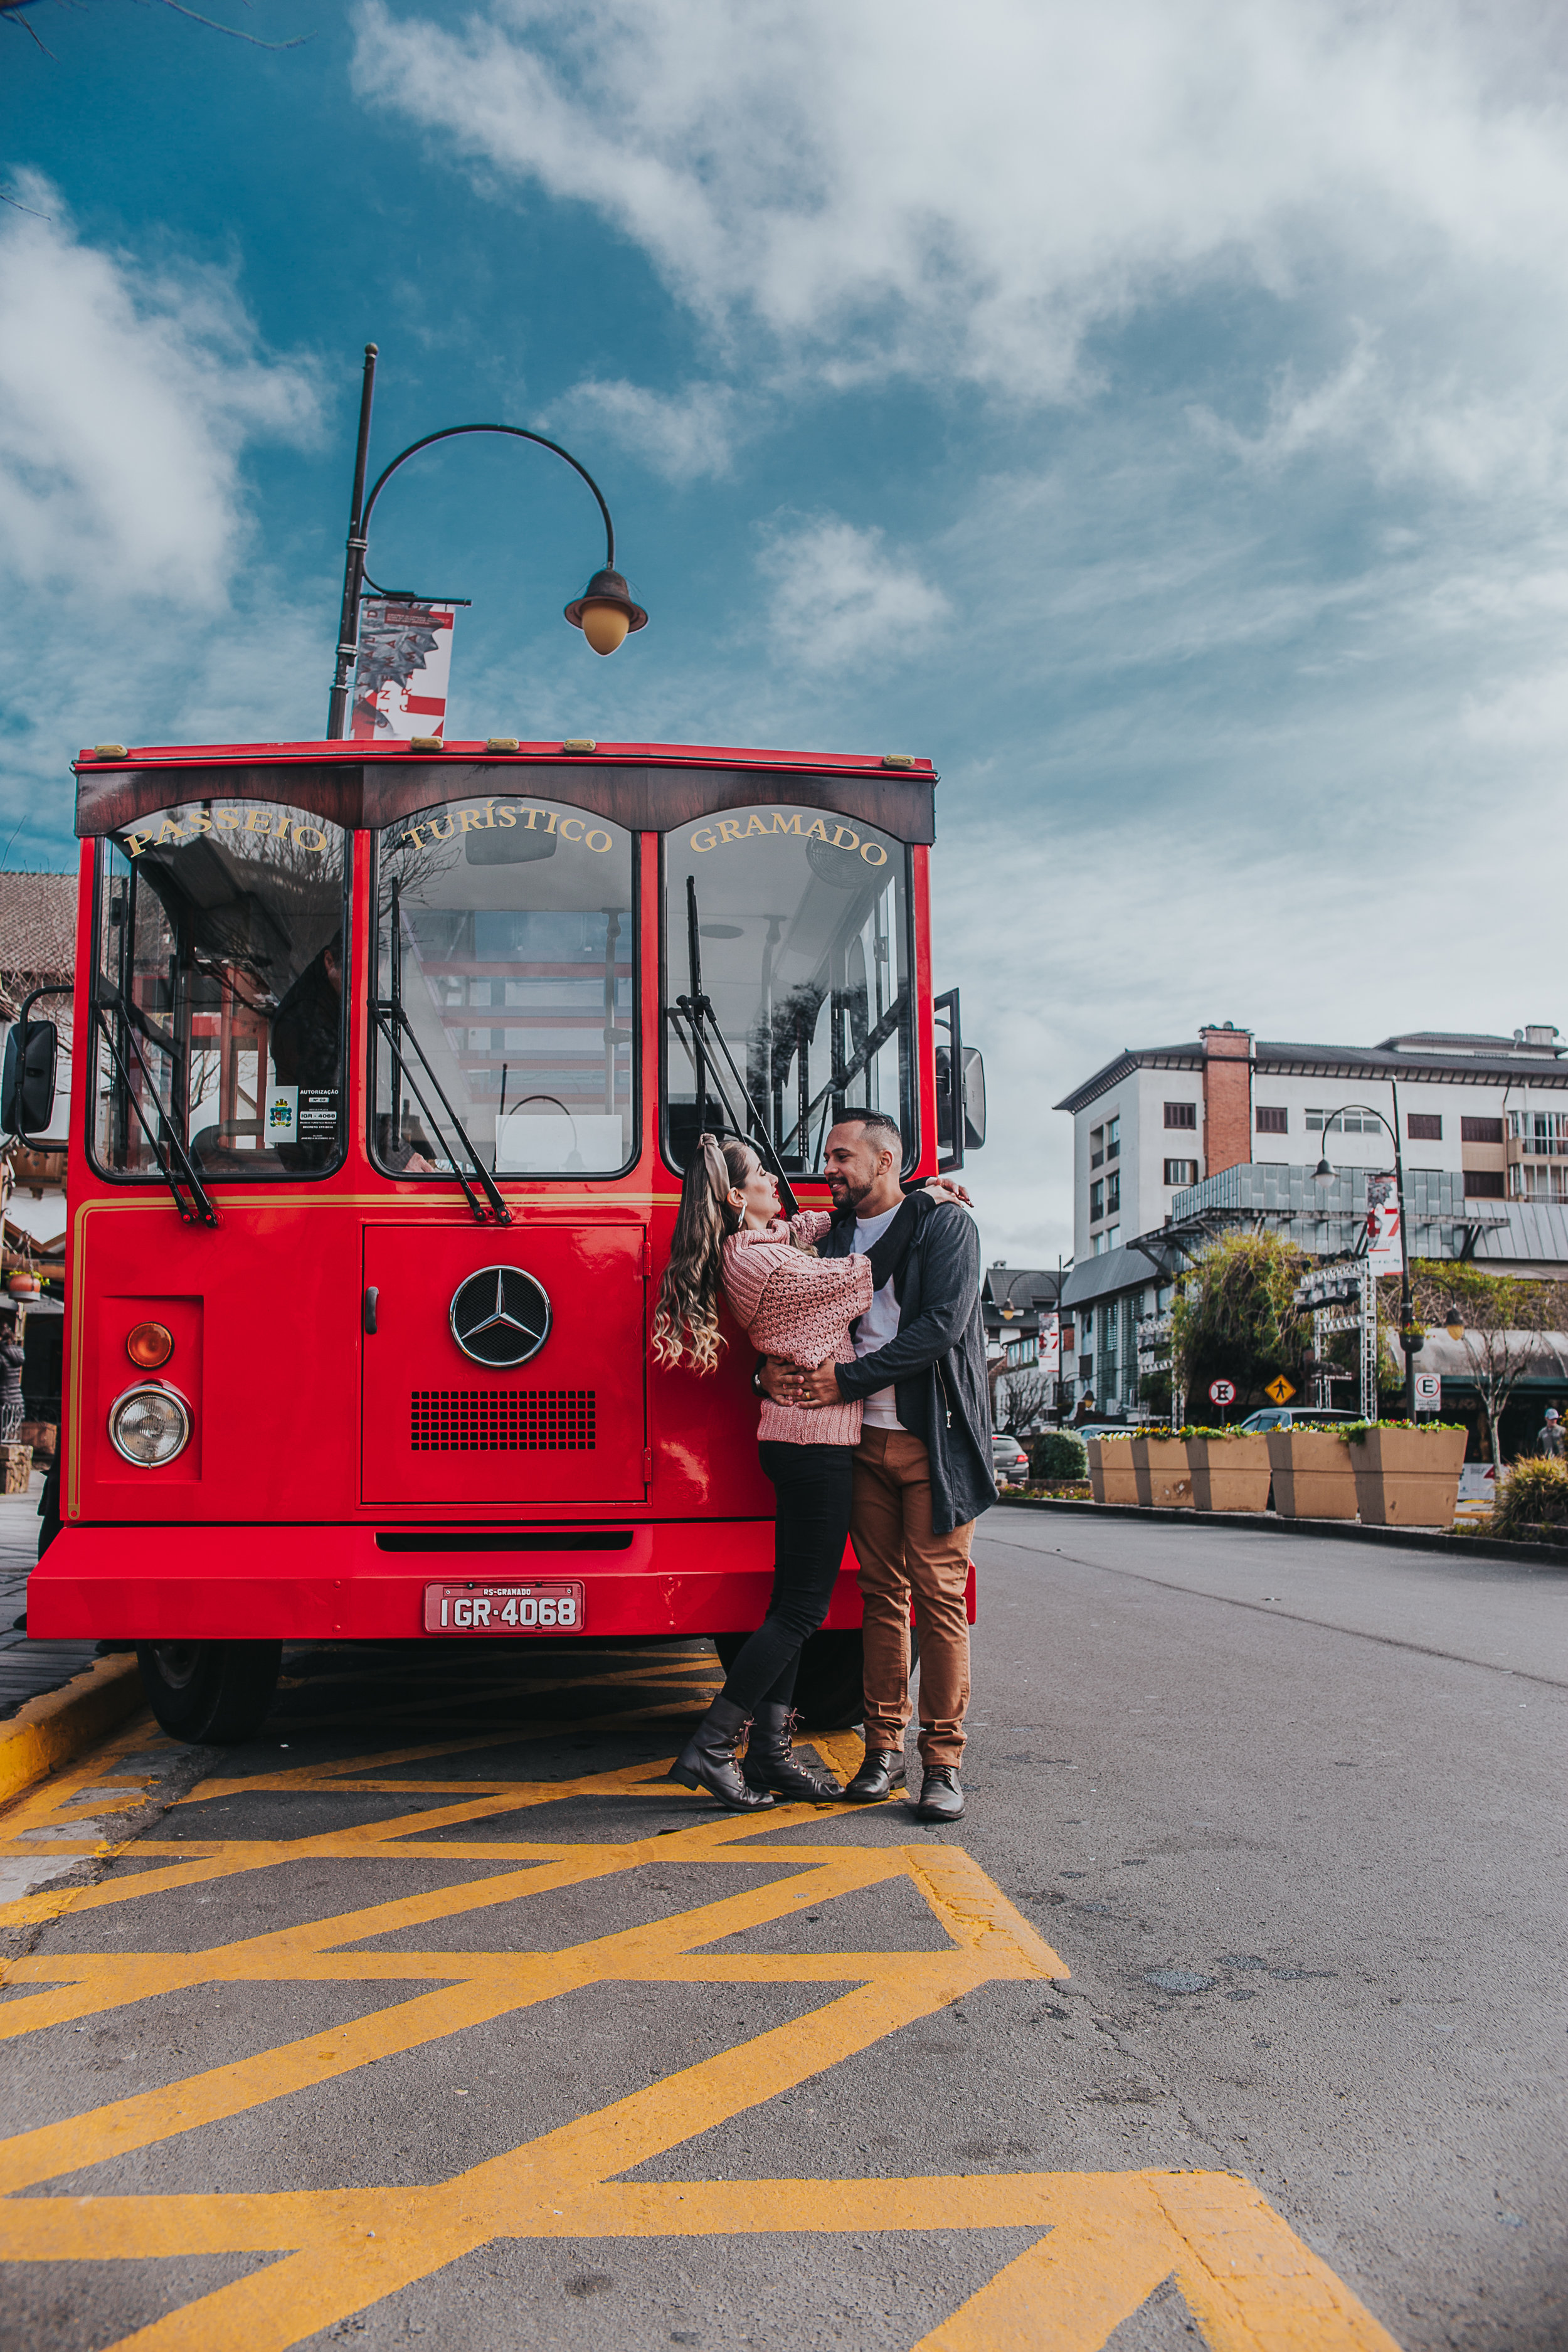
(879, 1324)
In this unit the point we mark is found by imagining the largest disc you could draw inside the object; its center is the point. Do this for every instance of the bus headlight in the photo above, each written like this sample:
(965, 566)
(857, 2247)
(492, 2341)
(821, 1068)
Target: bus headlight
(150, 1425)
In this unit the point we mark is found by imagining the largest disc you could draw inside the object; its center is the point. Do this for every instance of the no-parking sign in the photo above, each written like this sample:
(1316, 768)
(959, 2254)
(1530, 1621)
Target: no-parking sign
(1222, 1391)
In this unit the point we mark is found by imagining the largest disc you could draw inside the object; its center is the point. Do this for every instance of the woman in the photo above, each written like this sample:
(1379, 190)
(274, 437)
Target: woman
(796, 1305)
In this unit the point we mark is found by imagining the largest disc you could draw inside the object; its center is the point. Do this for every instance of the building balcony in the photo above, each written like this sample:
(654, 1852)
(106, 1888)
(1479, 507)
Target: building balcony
(1433, 1196)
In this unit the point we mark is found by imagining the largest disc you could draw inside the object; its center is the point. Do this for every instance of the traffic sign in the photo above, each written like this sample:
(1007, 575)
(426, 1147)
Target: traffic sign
(1222, 1391)
(1428, 1392)
(1280, 1390)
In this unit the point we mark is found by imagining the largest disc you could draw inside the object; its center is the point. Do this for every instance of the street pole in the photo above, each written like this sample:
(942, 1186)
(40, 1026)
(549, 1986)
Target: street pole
(353, 566)
(1406, 1305)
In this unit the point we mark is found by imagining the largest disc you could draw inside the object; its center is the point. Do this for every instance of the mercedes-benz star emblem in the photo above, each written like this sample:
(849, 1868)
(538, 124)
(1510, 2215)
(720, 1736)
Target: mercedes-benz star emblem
(499, 1317)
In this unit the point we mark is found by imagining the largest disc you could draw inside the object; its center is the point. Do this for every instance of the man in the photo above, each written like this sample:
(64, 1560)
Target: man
(922, 1469)
(1550, 1440)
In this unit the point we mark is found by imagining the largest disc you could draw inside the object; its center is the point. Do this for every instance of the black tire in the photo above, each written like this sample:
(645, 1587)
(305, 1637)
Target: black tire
(828, 1684)
(827, 1688)
(215, 1693)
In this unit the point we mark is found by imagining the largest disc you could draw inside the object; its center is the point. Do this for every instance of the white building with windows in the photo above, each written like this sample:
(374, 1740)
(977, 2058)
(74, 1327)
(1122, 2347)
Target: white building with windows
(1490, 1112)
(1170, 1142)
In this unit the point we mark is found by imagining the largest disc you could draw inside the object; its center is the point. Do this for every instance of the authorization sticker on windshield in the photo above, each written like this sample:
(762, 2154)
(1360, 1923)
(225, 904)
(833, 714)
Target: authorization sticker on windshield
(317, 1112)
(503, 1609)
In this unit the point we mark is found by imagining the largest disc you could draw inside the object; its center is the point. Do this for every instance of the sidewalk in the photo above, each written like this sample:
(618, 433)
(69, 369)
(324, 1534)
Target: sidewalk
(28, 1668)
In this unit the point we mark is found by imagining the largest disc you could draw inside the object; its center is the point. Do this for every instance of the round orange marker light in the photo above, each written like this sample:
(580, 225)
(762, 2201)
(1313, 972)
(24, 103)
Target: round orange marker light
(149, 1345)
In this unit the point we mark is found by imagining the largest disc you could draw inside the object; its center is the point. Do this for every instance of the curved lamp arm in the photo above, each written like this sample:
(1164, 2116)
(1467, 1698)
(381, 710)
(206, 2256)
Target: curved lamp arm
(519, 433)
(606, 611)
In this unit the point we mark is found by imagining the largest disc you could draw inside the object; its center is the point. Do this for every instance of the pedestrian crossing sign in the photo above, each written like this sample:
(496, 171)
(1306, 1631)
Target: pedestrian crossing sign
(1280, 1389)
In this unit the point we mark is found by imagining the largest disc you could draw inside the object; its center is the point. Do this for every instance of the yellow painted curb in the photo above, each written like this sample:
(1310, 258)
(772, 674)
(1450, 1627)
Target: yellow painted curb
(49, 1731)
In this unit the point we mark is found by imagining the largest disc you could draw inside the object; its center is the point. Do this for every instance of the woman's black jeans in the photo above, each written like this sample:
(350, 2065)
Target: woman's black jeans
(813, 1486)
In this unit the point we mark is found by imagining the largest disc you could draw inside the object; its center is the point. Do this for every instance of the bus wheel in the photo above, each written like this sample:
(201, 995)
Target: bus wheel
(216, 1693)
(827, 1686)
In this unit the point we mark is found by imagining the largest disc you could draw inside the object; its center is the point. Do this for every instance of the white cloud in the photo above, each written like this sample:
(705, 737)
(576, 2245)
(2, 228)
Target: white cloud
(136, 609)
(683, 436)
(975, 190)
(837, 598)
(126, 397)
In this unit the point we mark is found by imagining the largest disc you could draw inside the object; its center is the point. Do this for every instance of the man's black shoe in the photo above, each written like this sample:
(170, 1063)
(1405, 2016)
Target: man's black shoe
(877, 1778)
(941, 1799)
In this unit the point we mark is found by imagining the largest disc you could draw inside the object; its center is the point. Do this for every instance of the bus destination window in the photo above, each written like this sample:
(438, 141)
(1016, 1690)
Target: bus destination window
(802, 923)
(220, 994)
(504, 973)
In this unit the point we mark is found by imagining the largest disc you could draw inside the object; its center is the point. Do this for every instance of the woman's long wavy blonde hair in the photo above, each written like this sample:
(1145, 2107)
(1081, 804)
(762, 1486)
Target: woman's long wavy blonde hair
(686, 1321)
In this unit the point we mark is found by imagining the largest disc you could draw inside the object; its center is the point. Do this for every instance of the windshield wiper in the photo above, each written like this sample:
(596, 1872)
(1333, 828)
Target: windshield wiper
(397, 1028)
(698, 1009)
(198, 1209)
(846, 1076)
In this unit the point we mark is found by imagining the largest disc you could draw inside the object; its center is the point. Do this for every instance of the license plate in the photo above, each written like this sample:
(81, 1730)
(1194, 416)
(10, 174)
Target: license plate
(503, 1609)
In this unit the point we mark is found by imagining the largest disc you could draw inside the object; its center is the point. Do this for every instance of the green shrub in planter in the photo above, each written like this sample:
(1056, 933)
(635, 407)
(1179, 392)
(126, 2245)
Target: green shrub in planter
(1532, 1502)
(1057, 1454)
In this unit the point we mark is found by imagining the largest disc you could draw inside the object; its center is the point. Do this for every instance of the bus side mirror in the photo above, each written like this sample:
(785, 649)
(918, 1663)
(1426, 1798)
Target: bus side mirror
(973, 1099)
(960, 1087)
(27, 1087)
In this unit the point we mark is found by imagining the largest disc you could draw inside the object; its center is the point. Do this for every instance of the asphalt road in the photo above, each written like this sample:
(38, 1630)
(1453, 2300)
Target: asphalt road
(1231, 2012)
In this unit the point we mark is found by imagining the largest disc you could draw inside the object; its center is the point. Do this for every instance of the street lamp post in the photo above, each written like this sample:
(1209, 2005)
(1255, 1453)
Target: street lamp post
(1408, 1340)
(606, 611)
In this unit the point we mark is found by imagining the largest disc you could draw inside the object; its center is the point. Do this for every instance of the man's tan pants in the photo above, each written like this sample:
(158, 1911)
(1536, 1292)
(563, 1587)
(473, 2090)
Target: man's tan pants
(900, 1555)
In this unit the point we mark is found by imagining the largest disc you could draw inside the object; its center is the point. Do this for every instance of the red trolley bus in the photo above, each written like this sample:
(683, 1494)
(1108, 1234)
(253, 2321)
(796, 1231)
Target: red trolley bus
(386, 1064)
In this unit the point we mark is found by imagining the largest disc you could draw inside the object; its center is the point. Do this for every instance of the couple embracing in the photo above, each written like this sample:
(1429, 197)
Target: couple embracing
(875, 1425)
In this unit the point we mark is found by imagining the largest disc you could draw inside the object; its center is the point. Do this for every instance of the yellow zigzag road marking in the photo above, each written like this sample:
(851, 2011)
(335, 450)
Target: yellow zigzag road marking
(1108, 2239)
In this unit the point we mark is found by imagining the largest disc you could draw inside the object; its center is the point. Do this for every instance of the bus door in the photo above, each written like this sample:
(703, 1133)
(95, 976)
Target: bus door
(507, 1364)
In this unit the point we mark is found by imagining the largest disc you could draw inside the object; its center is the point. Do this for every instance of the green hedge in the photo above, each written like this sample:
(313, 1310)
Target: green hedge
(1057, 1454)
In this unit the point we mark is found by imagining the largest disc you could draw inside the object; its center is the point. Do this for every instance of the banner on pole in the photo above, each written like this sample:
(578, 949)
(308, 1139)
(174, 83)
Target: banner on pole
(404, 662)
(1050, 1345)
(1383, 1251)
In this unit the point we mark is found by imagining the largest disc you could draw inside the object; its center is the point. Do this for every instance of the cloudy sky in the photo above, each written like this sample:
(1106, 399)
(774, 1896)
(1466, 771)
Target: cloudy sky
(1157, 412)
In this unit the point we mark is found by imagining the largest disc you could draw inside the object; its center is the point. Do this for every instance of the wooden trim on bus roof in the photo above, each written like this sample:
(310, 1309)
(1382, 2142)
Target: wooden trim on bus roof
(646, 788)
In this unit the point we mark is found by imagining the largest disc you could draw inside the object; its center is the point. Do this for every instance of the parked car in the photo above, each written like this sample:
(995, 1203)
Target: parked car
(1008, 1460)
(1286, 1416)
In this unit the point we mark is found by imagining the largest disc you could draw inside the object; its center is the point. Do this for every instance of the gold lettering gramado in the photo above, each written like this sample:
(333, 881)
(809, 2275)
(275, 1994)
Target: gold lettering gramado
(178, 832)
(505, 816)
(729, 829)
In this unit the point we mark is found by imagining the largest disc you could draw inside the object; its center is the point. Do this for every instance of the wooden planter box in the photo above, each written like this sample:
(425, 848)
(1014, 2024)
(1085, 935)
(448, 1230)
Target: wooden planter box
(1314, 1476)
(1407, 1477)
(1162, 1473)
(1230, 1474)
(1110, 1476)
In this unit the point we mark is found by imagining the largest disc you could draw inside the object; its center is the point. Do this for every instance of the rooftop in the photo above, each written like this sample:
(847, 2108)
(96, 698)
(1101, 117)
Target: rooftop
(37, 929)
(1413, 1054)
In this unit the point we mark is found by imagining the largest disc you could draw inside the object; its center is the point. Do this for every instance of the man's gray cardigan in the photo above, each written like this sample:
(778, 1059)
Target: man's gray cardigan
(936, 1360)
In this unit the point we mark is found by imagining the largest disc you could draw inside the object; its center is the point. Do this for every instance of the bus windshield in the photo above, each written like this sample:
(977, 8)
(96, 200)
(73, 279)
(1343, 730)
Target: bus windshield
(219, 972)
(503, 1013)
(803, 938)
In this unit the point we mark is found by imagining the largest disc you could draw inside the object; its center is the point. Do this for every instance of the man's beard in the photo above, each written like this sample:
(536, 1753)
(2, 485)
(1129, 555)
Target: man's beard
(845, 1193)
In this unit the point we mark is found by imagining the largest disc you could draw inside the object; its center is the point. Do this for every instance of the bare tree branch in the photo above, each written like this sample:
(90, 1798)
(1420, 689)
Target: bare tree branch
(1506, 1320)
(10, 12)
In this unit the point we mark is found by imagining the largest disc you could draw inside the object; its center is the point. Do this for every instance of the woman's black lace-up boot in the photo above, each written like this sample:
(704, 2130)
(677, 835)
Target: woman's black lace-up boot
(771, 1762)
(708, 1759)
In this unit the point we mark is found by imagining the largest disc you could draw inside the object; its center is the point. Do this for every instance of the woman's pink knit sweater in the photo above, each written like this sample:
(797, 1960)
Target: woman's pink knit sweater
(799, 1308)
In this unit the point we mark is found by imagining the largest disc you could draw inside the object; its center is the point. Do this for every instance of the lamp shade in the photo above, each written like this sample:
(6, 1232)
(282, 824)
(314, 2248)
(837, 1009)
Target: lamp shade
(606, 612)
(1322, 1171)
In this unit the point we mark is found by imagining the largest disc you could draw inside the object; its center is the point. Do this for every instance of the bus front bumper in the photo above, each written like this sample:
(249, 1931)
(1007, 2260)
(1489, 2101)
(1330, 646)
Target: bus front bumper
(363, 1584)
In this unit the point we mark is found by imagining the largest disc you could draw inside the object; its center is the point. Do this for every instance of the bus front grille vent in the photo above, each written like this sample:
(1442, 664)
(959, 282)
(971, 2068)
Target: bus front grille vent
(503, 1421)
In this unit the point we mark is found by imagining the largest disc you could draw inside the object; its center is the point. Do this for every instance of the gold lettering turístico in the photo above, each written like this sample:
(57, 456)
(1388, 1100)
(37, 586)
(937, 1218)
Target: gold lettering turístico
(727, 829)
(502, 817)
